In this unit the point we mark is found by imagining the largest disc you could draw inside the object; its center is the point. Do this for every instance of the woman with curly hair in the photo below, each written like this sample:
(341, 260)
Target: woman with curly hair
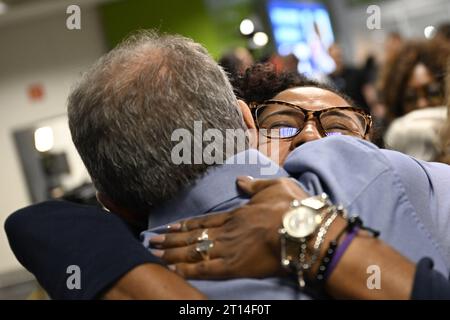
(292, 110)
(415, 77)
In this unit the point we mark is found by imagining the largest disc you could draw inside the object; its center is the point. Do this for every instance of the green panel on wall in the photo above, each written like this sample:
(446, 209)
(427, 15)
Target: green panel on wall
(191, 18)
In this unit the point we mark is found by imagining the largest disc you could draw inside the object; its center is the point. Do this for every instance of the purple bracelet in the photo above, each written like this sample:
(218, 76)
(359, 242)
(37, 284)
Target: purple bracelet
(340, 251)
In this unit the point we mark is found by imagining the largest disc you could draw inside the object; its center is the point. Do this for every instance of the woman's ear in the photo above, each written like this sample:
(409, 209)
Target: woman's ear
(250, 123)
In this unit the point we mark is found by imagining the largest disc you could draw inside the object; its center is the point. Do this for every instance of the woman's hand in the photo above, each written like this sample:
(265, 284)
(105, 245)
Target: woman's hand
(246, 242)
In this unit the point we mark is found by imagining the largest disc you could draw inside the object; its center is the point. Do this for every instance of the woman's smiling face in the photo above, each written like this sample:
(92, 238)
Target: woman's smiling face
(310, 128)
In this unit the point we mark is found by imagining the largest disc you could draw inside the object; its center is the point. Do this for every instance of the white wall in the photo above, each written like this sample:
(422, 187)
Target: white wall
(36, 51)
(409, 17)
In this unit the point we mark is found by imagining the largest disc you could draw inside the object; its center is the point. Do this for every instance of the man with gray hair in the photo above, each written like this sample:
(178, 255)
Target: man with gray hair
(123, 112)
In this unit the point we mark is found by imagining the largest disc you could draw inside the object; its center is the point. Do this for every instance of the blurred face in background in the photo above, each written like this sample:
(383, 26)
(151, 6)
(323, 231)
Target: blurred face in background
(335, 53)
(302, 114)
(422, 90)
(245, 58)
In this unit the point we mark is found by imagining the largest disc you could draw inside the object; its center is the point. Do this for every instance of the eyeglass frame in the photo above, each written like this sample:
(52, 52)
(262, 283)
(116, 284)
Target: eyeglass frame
(316, 115)
(424, 93)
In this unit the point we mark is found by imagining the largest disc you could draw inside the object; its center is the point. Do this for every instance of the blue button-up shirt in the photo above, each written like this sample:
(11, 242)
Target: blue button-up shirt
(406, 199)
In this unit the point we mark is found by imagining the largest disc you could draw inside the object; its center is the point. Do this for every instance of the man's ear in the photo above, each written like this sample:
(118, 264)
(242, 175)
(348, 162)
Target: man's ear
(105, 201)
(249, 122)
(135, 220)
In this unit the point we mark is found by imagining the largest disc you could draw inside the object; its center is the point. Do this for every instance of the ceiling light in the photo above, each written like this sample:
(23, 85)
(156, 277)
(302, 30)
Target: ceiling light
(428, 32)
(43, 139)
(247, 27)
(260, 39)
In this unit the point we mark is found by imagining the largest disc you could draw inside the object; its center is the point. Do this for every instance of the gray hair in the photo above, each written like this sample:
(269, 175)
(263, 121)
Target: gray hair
(124, 110)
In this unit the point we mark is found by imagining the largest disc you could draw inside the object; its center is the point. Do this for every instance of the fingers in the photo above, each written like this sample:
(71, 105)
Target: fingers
(205, 270)
(187, 254)
(178, 239)
(208, 221)
(252, 186)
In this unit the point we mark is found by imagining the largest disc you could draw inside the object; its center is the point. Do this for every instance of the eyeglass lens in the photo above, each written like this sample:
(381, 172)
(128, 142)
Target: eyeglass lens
(280, 121)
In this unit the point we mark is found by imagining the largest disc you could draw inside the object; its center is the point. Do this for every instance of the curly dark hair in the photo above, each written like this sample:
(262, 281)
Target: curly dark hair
(262, 82)
(432, 53)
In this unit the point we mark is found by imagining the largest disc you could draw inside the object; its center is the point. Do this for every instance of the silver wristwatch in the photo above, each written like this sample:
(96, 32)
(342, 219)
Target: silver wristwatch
(306, 218)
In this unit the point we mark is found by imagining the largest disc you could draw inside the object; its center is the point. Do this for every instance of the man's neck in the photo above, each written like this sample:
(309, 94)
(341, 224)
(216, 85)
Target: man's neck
(216, 187)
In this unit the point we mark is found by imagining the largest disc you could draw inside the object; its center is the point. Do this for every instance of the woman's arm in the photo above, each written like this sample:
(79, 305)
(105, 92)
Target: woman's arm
(247, 244)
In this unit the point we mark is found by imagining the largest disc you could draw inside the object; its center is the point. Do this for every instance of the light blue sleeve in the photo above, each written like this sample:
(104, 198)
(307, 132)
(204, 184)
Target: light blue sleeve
(403, 198)
(427, 185)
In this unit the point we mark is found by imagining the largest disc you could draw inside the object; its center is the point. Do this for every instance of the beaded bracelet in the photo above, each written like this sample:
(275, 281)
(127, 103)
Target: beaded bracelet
(335, 253)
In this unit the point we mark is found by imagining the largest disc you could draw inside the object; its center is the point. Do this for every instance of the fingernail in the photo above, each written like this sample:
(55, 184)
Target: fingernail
(174, 227)
(157, 253)
(160, 238)
(244, 178)
(172, 267)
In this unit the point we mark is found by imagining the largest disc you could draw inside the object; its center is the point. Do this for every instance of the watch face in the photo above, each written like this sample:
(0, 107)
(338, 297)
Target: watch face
(300, 222)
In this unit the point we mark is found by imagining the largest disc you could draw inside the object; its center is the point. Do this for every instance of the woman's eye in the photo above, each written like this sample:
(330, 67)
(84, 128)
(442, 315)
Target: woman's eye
(278, 126)
(336, 127)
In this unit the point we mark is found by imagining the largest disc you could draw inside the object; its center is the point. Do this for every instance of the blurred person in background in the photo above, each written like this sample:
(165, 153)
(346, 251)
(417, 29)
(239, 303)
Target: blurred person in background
(415, 84)
(347, 79)
(443, 32)
(415, 78)
(418, 133)
(290, 63)
(392, 45)
(445, 144)
(235, 62)
(374, 94)
(371, 95)
(287, 63)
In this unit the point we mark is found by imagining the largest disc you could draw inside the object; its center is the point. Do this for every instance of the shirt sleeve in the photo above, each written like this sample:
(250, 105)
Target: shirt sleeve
(428, 283)
(406, 199)
(59, 241)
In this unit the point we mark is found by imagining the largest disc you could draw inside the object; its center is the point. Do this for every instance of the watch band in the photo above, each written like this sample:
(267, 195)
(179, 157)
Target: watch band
(306, 223)
(306, 265)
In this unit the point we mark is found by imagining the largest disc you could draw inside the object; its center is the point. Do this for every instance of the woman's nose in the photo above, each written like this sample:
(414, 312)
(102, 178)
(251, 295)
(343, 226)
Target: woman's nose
(310, 132)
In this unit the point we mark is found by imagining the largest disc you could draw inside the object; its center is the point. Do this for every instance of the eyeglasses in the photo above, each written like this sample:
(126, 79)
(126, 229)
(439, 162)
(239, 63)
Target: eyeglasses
(432, 92)
(283, 120)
